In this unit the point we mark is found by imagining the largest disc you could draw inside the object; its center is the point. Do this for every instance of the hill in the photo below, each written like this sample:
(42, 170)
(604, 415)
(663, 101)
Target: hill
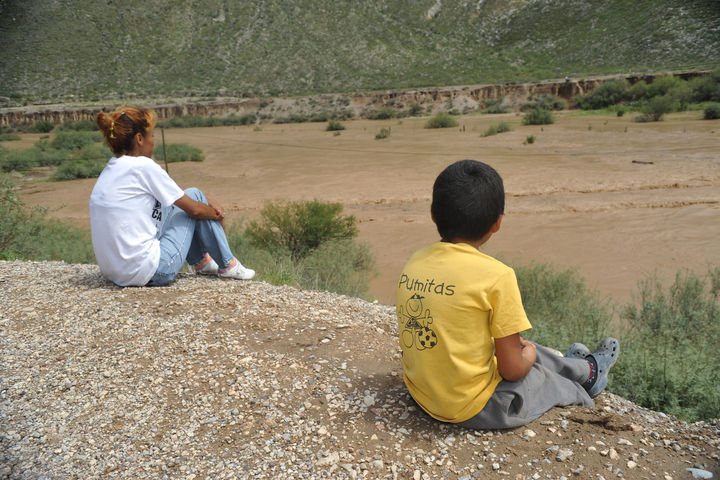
(220, 379)
(91, 49)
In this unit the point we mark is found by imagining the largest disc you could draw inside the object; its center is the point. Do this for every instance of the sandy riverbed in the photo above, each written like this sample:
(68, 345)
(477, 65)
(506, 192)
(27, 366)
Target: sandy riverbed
(616, 199)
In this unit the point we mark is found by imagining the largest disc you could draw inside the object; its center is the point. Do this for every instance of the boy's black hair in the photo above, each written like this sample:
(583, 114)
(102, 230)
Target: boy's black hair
(468, 198)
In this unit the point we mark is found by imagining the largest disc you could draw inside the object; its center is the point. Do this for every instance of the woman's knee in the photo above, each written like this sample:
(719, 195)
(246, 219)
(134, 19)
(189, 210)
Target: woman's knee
(196, 194)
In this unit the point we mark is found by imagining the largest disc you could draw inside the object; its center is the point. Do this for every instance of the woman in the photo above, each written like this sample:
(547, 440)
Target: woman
(144, 227)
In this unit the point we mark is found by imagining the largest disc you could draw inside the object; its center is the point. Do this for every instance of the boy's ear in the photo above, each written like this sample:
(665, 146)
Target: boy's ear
(496, 225)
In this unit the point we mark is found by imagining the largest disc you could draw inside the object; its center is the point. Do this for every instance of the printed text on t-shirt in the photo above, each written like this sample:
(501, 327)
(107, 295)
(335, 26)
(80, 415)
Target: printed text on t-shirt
(427, 286)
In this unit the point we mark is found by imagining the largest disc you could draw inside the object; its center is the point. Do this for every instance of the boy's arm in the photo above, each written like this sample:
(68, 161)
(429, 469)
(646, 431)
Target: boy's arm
(515, 356)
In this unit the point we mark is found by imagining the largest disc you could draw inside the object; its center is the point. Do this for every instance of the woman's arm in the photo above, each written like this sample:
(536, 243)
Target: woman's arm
(199, 210)
(515, 356)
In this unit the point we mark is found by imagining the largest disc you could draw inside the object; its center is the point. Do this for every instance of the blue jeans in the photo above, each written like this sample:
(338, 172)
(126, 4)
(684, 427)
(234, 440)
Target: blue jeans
(185, 238)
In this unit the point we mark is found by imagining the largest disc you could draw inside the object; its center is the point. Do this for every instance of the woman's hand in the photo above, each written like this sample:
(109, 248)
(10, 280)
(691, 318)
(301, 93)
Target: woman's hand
(218, 209)
(201, 211)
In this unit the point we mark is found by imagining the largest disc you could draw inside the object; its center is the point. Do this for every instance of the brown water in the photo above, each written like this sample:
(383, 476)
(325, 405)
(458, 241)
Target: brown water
(615, 199)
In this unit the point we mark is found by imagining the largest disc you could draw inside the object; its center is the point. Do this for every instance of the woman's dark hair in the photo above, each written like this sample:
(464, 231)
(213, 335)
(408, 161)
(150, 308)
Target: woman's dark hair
(119, 127)
(468, 198)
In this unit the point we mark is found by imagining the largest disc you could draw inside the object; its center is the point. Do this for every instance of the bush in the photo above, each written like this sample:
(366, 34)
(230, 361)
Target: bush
(78, 168)
(670, 360)
(495, 129)
(656, 107)
(27, 235)
(547, 102)
(334, 125)
(300, 227)
(43, 126)
(415, 110)
(191, 121)
(383, 133)
(80, 125)
(340, 266)
(662, 85)
(608, 93)
(638, 91)
(530, 139)
(32, 157)
(382, 114)
(494, 106)
(712, 111)
(538, 116)
(704, 88)
(561, 307)
(74, 140)
(178, 152)
(441, 120)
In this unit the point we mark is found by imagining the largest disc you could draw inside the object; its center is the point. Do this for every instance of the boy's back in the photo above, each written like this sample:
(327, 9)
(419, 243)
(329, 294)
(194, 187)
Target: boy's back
(451, 300)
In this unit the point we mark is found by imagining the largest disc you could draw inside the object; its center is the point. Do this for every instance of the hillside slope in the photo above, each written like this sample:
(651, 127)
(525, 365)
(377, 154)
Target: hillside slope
(222, 379)
(95, 49)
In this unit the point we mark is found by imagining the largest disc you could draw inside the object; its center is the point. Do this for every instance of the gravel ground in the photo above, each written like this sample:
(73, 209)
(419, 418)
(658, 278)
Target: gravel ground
(225, 379)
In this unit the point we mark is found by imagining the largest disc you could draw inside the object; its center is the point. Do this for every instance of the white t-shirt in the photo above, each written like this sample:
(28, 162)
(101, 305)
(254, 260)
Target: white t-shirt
(126, 215)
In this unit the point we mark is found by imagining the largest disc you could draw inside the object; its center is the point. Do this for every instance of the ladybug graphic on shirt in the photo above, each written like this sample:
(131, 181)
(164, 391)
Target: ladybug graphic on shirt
(416, 331)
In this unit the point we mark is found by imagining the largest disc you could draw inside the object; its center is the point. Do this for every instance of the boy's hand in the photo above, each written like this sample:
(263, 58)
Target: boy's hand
(515, 356)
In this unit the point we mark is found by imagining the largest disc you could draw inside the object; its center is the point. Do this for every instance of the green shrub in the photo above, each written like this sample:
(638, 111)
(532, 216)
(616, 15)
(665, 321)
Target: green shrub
(42, 126)
(712, 111)
(705, 88)
(497, 128)
(606, 94)
(74, 140)
(494, 106)
(547, 102)
(670, 360)
(530, 139)
(293, 118)
(32, 157)
(340, 266)
(334, 125)
(26, 234)
(193, 121)
(78, 168)
(538, 116)
(178, 152)
(383, 133)
(561, 307)
(657, 107)
(300, 227)
(320, 117)
(79, 125)
(382, 114)
(441, 120)
(662, 85)
(7, 137)
(638, 91)
(415, 110)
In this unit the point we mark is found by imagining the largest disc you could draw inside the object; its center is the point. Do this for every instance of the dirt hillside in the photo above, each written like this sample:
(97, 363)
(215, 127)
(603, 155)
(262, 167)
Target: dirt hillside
(227, 379)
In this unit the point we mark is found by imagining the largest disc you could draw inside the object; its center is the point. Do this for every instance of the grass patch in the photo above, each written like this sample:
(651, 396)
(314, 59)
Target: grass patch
(382, 134)
(27, 234)
(178, 152)
(494, 129)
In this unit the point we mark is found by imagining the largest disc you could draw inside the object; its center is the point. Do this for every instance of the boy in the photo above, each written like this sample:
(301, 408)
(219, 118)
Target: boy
(460, 317)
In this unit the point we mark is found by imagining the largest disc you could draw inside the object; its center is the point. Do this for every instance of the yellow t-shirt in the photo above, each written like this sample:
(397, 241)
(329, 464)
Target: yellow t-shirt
(451, 301)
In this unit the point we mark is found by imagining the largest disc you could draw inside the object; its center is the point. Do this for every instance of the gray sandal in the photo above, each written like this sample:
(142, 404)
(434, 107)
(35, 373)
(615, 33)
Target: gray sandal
(577, 350)
(605, 355)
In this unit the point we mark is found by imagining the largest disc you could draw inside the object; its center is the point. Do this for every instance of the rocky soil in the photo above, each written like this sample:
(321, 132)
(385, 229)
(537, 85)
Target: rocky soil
(225, 379)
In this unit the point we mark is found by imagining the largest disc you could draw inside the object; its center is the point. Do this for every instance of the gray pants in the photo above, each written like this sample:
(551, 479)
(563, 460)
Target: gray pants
(552, 381)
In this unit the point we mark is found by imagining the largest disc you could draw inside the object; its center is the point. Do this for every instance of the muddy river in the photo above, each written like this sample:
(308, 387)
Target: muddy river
(615, 199)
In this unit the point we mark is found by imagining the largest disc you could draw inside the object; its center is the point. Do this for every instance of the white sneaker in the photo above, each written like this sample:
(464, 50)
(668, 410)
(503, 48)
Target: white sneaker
(210, 268)
(237, 272)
